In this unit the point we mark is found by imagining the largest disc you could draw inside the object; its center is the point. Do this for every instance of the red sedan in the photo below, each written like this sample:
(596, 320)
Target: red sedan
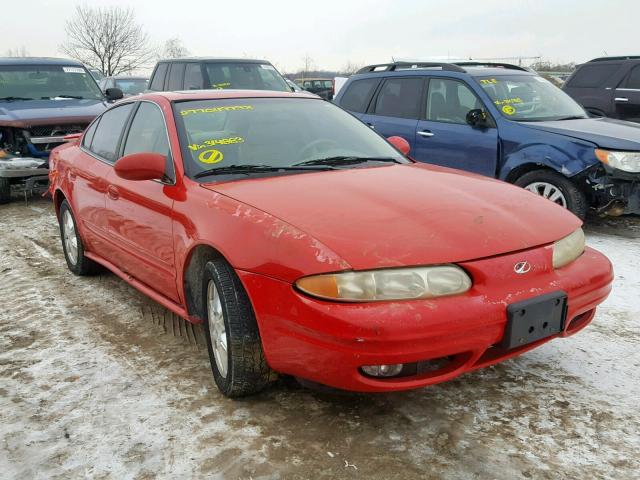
(311, 246)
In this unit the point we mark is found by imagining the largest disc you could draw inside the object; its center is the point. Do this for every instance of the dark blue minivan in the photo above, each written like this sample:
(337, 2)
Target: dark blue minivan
(506, 122)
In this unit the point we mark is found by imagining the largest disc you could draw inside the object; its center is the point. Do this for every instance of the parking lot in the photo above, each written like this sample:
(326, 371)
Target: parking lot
(99, 381)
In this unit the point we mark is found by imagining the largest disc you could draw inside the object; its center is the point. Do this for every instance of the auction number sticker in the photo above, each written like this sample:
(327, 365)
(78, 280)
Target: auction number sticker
(211, 156)
(509, 110)
(73, 70)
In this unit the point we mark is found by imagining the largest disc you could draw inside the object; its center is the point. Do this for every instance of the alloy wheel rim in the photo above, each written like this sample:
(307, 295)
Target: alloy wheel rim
(217, 329)
(548, 191)
(70, 237)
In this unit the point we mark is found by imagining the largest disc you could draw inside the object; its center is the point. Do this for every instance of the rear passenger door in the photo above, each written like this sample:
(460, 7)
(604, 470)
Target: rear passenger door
(357, 95)
(444, 137)
(627, 97)
(396, 108)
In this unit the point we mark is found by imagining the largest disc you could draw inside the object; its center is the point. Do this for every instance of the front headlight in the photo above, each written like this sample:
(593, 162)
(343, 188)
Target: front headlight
(625, 161)
(390, 284)
(568, 249)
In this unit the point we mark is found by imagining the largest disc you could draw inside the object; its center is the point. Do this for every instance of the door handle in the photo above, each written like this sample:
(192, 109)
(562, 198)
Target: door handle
(426, 133)
(112, 192)
(621, 99)
(371, 126)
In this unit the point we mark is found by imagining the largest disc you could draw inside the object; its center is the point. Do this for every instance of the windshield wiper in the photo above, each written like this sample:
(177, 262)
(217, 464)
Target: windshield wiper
(345, 160)
(247, 169)
(11, 99)
(573, 117)
(77, 97)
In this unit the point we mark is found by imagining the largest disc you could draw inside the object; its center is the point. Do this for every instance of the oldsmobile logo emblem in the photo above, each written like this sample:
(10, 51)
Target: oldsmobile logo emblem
(522, 267)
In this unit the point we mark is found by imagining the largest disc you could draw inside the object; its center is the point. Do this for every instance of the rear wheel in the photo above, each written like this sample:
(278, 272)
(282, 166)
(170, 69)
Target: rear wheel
(557, 188)
(233, 340)
(5, 190)
(72, 243)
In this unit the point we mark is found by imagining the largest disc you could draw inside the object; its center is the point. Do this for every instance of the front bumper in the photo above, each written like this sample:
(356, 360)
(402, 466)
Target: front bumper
(328, 342)
(614, 192)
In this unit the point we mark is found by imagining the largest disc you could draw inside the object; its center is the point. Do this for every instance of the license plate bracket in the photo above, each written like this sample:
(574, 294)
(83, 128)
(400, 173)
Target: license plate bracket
(534, 319)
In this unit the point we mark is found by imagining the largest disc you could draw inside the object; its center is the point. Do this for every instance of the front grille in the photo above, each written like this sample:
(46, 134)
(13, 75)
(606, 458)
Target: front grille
(56, 130)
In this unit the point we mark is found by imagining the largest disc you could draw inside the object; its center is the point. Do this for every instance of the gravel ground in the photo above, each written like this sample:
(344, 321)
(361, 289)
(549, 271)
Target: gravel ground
(96, 381)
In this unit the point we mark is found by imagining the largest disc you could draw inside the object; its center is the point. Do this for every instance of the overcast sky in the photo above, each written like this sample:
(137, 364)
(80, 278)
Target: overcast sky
(333, 32)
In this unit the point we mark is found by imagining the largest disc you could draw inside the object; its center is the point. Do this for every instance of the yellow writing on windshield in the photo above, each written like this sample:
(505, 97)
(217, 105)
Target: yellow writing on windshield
(211, 156)
(220, 86)
(216, 141)
(508, 109)
(230, 108)
(508, 101)
(488, 81)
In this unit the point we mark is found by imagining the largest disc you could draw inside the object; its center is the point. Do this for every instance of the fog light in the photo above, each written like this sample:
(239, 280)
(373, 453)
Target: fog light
(382, 370)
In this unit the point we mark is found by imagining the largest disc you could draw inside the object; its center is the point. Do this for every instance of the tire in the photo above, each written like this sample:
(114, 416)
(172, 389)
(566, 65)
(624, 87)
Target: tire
(5, 190)
(74, 249)
(572, 197)
(246, 370)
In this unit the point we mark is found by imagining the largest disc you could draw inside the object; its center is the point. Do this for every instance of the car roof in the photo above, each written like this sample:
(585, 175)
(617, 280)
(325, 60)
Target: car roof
(39, 61)
(185, 95)
(127, 77)
(214, 60)
(472, 71)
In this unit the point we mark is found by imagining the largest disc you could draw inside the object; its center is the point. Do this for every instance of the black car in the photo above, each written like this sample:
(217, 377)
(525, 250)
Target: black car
(608, 87)
(216, 74)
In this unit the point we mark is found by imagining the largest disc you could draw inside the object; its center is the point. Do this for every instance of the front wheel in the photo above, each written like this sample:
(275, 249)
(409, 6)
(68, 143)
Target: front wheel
(233, 340)
(557, 188)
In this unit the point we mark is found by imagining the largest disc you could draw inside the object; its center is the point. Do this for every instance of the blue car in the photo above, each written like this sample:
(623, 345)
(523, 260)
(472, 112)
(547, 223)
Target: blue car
(41, 101)
(502, 121)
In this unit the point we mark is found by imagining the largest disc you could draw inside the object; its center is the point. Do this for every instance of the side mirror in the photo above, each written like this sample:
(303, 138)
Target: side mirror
(477, 118)
(141, 166)
(400, 143)
(113, 94)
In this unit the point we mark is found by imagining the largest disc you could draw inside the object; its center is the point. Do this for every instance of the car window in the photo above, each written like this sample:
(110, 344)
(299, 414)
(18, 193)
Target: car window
(328, 84)
(39, 82)
(252, 76)
(158, 79)
(148, 133)
(400, 97)
(176, 76)
(450, 101)
(88, 136)
(131, 86)
(193, 76)
(633, 80)
(109, 130)
(357, 95)
(590, 76)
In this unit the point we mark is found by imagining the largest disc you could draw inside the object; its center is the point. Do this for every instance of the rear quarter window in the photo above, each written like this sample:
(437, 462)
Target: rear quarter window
(157, 82)
(591, 76)
(358, 94)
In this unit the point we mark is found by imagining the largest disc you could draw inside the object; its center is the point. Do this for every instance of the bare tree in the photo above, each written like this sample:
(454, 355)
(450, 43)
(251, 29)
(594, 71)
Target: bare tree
(350, 68)
(308, 65)
(173, 48)
(18, 52)
(108, 39)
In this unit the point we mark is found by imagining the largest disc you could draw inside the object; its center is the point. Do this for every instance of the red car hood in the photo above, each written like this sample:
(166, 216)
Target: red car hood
(406, 214)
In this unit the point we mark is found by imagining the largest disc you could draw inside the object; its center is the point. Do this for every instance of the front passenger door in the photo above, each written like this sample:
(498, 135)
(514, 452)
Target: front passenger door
(140, 212)
(445, 138)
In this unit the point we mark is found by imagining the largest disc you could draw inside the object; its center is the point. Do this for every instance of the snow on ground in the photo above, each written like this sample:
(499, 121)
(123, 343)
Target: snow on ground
(94, 385)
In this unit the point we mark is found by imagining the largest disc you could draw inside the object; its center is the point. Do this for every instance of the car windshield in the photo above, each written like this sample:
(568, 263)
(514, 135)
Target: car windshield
(35, 82)
(245, 76)
(275, 132)
(131, 86)
(530, 98)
